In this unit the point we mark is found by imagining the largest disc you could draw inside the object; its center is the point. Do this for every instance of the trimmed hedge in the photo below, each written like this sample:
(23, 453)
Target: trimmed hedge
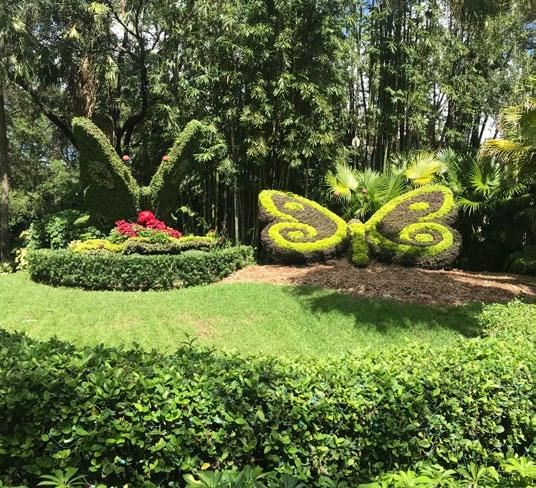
(145, 245)
(141, 245)
(127, 416)
(113, 271)
(413, 229)
(163, 190)
(95, 245)
(359, 248)
(299, 230)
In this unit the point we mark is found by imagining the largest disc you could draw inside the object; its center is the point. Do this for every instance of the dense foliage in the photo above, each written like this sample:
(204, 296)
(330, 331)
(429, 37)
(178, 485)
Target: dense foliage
(284, 88)
(127, 416)
(105, 269)
(514, 472)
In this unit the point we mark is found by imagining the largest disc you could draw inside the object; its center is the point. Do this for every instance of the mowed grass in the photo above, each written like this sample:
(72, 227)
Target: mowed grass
(246, 318)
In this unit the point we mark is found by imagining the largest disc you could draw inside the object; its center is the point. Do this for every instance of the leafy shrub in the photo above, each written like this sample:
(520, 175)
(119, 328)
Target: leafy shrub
(134, 416)
(113, 271)
(523, 261)
(514, 472)
(5, 268)
(155, 244)
(143, 245)
(147, 225)
(56, 231)
(95, 245)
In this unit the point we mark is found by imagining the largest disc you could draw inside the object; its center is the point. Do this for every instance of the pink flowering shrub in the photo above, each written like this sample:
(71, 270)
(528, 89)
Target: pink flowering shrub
(146, 225)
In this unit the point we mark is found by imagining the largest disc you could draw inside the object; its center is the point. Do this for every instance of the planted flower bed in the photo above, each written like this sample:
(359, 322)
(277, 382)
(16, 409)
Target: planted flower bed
(141, 255)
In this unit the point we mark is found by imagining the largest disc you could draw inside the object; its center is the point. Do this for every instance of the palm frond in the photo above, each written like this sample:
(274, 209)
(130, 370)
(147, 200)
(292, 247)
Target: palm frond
(336, 188)
(424, 169)
(469, 207)
(504, 150)
(394, 185)
(346, 176)
(484, 177)
(527, 125)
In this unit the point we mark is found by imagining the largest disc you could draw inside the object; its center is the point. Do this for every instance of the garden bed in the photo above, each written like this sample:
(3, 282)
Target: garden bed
(390, 281)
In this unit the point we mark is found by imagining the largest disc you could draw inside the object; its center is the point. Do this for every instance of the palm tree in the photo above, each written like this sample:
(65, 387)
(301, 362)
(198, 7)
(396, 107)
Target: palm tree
(497, 208)
(420, 167)
(363, 192)
(518, 124)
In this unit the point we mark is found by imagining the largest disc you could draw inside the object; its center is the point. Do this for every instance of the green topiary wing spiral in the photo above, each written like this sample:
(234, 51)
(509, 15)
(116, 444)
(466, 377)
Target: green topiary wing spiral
(415, 229)
(163, 191)
(110, 191)
(298, 230)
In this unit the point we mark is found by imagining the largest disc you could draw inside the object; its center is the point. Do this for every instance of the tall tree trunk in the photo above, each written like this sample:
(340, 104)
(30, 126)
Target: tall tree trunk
(4, 178)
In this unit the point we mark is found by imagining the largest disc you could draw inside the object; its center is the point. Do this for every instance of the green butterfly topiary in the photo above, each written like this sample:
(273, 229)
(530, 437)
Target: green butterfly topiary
(110, 191)
(298, 230)
(414, 229)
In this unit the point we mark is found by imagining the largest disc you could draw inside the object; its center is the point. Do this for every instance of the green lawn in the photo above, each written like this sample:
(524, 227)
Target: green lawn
(251, 318)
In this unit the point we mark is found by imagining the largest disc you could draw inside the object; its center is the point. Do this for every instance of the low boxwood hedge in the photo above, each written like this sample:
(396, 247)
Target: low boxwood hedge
(128, 416)
(112, 271)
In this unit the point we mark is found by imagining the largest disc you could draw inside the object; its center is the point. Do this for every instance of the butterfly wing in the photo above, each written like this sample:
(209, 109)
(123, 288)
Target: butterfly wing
(298, 230)
(164, 187)
(416, 229)
(109, 189)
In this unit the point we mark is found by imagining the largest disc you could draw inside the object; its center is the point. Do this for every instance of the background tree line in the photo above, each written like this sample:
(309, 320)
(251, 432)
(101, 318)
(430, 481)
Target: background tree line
(288, 87)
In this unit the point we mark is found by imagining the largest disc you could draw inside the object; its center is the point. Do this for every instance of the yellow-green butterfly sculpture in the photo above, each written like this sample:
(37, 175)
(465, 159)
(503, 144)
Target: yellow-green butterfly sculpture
(413, 229)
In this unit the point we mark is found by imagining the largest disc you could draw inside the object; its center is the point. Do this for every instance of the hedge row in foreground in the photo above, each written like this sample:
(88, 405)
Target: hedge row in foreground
(111, 271)
(132, 416)
(513, 472)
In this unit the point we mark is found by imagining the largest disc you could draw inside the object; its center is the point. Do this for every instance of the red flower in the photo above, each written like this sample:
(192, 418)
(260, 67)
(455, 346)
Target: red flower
(126, 228)
(145, 216)
(146, 220)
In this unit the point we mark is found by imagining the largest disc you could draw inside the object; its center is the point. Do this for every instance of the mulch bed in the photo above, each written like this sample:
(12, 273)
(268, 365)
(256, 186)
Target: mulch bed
(389, 281)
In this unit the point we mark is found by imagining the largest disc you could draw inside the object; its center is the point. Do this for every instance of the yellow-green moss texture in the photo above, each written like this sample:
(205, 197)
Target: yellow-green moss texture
(299, 230)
